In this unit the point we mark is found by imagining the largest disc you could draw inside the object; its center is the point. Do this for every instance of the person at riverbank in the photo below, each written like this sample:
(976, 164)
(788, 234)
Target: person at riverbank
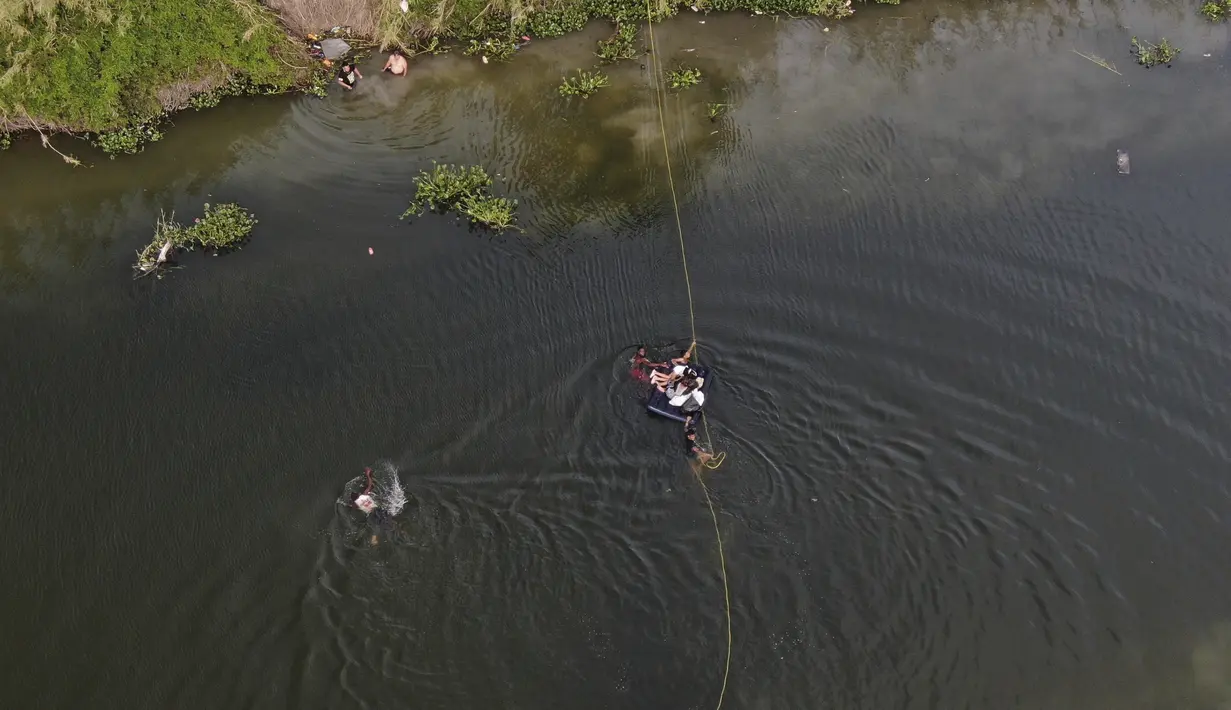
(396, 64)
(692, 447)
(348, 75)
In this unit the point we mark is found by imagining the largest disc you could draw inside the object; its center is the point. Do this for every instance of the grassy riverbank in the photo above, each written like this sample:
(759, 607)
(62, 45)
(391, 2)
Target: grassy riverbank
(98, 65)
(112, 67)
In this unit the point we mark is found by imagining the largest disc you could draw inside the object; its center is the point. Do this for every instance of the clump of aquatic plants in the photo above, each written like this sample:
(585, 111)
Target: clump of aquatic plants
(461, 189)
(584, 83)
(6, 140)
(716, 110)
(500, 49)
(683, 78)
(445, 186)
(222, 227)
(1149, 54)
(495, 213)
(128, 140)
(1216, 10)
(621, 45)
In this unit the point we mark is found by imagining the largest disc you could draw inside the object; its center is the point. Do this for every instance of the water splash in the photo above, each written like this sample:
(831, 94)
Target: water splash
(386, 489)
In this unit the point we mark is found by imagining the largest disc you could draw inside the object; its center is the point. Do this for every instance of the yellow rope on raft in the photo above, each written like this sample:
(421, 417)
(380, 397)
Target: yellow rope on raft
(717, 460)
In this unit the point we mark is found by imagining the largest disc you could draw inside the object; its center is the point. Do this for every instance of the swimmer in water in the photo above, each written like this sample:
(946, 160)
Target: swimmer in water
(642, 367)
(396, 64)
(692, 447)
(378, 516)
(348, 75)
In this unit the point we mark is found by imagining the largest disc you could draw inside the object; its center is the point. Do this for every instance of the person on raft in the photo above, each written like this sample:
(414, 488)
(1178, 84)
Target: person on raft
(687, 394)
(692, 447)
(396, 65)
(348, 75)
(663, 376)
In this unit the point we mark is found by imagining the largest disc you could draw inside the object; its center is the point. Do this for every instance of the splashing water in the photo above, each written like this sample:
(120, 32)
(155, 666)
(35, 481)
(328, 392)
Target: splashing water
(386, 489)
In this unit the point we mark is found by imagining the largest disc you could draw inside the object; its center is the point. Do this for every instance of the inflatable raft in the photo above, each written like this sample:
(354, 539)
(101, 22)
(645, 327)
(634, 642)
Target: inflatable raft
(660, 404)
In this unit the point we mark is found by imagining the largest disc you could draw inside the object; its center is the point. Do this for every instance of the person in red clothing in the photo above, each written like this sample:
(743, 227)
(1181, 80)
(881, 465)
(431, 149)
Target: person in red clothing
(642, 366)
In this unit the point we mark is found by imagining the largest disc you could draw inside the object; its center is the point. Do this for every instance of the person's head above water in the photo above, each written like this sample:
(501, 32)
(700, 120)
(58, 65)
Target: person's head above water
(641, 350)
(365, 503)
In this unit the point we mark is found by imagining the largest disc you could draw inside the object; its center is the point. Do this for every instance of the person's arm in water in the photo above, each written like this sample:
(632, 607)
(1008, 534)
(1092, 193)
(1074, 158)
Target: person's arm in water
(389, 63)
(358, 74)
(344, 84)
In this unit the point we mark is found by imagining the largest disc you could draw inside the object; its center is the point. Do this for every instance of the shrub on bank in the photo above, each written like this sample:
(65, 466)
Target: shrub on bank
(99, 65)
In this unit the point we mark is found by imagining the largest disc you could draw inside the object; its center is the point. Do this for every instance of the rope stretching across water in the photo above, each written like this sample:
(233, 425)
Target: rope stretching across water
(656, 70)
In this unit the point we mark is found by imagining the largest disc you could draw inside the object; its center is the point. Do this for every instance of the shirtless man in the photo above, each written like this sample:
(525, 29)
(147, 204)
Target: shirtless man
(396, 64)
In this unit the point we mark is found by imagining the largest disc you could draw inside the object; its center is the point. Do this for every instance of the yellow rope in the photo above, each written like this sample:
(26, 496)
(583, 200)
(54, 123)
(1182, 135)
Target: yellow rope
(717, 460)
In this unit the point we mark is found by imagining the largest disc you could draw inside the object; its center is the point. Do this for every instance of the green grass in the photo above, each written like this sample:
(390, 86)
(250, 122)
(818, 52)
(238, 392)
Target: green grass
(100, 65)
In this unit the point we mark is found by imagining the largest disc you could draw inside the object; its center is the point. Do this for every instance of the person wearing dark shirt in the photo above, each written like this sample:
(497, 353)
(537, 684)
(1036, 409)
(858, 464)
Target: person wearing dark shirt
(348, 75)
(692, 447)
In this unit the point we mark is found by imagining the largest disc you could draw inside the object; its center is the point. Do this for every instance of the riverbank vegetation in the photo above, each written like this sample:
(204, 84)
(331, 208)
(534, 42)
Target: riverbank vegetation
(220, 229)
(463, 190)
(115, 68)
(101, 65)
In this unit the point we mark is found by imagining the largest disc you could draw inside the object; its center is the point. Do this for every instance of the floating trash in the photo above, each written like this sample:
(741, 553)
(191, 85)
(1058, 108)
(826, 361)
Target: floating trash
(334, 48)
(1122, 163)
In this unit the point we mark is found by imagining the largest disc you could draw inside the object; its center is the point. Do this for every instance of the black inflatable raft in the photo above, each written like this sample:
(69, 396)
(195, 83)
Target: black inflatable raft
(660, 404)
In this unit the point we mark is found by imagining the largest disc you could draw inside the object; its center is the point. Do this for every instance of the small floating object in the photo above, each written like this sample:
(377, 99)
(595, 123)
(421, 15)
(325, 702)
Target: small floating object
(371, 251)
(485, 59)
(1122, 163)
(405, 6)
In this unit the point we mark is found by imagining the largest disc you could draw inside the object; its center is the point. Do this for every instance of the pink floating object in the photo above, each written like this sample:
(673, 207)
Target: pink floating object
(370, 252)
